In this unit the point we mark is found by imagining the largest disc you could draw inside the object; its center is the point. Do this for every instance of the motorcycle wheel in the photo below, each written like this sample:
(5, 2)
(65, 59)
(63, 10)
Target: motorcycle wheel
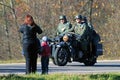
(90, 62)
(53, 60)
(61, 56)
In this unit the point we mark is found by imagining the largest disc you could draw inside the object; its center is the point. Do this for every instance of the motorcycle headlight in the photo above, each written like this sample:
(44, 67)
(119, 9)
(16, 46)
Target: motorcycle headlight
(65, 38)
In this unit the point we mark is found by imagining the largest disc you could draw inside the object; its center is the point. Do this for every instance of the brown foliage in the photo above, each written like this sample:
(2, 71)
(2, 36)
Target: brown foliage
(105, 18)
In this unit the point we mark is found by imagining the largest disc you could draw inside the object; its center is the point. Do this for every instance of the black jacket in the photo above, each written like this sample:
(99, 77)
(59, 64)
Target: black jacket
(29, 33)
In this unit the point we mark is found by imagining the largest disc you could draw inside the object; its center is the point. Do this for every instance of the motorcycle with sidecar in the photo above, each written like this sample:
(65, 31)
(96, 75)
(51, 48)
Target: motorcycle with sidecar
(66, 48)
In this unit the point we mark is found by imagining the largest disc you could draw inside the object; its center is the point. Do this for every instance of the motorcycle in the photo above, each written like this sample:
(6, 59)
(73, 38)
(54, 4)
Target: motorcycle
(66, 48)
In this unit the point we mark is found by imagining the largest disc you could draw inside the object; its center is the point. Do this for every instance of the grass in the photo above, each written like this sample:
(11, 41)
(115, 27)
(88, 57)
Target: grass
(110, 76)
(12, 61)
(17, 61)
(38, 60)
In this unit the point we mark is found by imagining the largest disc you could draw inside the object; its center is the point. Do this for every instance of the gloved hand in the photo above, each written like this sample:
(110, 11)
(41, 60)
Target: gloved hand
(78, 37)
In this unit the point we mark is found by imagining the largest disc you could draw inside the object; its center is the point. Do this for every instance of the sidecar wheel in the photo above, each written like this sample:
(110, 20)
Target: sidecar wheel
(90, 62)
(61, 56)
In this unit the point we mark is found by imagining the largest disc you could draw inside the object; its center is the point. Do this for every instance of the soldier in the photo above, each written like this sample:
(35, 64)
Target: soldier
(83, 30)
(64, 26)
(84, 20)
(95, 38)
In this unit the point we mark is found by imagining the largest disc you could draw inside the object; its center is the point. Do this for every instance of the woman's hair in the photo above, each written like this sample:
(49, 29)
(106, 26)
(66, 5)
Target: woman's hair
(29, 20)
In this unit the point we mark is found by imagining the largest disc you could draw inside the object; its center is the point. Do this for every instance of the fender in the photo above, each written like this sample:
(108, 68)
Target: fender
(57, 46)
(99, 49)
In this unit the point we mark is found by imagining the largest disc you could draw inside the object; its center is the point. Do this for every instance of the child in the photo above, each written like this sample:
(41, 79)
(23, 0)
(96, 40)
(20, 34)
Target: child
(45, 55)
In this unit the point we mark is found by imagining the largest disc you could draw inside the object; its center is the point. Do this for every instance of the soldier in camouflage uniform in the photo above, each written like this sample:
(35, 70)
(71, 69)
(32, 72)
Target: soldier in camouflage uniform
(95, 38)
(83, 30)
(64, 26)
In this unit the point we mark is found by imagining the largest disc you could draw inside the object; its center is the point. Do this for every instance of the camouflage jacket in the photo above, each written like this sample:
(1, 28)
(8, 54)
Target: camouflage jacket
(64, 28)
(83, 30)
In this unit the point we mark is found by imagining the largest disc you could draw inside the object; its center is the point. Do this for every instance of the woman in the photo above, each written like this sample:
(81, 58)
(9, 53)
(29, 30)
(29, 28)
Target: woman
(30, 43)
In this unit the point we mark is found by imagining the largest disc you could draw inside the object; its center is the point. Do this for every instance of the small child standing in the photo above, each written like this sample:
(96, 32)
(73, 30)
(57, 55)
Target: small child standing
(45, 55)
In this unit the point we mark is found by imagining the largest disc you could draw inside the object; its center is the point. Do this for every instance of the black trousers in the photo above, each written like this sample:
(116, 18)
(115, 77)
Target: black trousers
(44, 64)
(30, 57)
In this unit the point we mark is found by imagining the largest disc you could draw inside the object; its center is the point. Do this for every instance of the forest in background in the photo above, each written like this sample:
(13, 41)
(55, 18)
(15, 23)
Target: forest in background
(103, 14)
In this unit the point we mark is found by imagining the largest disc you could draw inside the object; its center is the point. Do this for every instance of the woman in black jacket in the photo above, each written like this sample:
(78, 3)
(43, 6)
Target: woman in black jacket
(30, 43)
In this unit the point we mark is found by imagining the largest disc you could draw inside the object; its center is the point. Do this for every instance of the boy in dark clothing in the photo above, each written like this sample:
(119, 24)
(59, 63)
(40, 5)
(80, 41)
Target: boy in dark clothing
(45, 55)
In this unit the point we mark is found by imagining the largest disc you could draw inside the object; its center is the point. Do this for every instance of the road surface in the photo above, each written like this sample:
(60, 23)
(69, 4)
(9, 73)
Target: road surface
(74, 67)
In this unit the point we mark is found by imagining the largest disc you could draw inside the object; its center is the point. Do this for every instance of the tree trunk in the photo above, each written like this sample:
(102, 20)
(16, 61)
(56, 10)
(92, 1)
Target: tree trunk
(61, 8)
(91, 4)
(15, 17)
(6, 30)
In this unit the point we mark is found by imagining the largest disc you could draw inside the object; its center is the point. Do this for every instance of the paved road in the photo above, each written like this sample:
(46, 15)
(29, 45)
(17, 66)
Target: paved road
(75, 67)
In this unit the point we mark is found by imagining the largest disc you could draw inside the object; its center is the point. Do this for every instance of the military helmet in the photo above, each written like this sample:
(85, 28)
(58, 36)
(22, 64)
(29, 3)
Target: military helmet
(84, 18)
(62, 17)
(78, 17)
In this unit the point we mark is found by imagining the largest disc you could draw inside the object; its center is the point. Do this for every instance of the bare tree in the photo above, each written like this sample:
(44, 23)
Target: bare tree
(91, 4)
(14, 16)
(6, 29)
(61, 8)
